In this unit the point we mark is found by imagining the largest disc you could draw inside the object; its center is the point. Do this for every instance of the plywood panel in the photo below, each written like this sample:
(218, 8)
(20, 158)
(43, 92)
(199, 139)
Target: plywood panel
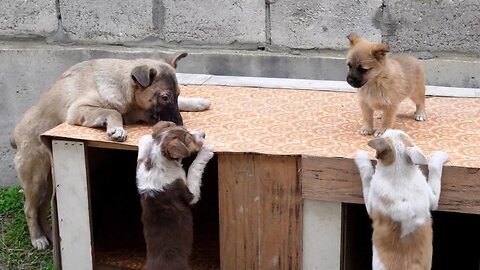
(239, 212)
(337, 179)
(71, 187)
(260, 212)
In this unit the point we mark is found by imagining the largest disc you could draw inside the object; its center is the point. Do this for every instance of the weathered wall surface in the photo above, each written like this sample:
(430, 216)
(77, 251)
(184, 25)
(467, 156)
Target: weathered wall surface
(268, 38)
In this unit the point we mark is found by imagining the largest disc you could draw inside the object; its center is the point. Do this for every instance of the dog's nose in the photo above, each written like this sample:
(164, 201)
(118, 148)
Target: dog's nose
(165, 97)
(201, 134)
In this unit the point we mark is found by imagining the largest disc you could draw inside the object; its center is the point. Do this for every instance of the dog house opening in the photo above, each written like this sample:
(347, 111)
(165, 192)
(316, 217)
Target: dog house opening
(455, 239)
(118, 241)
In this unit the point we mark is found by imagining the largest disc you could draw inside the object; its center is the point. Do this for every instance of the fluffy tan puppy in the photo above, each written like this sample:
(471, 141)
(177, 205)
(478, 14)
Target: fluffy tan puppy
(383, 82)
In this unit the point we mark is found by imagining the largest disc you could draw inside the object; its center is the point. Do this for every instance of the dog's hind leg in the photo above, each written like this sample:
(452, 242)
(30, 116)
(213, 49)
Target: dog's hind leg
(43, 211)
(33, 172)
(435, 167)
(194, 176)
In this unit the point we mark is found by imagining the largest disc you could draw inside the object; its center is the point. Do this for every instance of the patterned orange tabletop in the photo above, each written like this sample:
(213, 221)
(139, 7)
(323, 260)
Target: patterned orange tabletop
(316, 123)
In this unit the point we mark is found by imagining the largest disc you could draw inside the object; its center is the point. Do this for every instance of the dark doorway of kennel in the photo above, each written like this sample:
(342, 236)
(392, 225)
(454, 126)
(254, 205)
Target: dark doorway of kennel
(455, 240)
(118, 241)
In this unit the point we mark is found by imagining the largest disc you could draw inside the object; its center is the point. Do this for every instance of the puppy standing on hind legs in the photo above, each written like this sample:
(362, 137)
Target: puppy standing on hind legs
(383, 82)
(399, 200)
(166, 193)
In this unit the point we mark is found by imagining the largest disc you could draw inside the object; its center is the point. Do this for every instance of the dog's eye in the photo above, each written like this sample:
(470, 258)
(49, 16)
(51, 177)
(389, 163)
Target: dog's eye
(349, 65)
(362, 69)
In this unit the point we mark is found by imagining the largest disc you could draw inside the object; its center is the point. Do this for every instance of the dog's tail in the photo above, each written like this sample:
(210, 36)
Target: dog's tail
(13, 144)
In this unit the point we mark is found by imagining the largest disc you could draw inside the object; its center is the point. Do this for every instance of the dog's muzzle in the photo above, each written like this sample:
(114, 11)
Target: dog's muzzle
(169, 112)
(355, 82)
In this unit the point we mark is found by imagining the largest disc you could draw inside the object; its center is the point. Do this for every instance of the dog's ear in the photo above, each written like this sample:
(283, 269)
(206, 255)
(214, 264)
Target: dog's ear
(143, 75)
(416, 156)
(384, 150)
(176, 149)
(353, 38)
(173, 59)
(160, 127)
(379, 50)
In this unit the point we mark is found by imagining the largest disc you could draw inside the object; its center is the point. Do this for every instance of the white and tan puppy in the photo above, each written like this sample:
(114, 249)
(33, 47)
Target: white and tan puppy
(399, 199)
(104, 93)
(166, 192)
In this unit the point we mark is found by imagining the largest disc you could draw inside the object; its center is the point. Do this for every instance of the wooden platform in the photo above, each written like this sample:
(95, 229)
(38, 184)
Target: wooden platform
(322, 127)
(277, 149)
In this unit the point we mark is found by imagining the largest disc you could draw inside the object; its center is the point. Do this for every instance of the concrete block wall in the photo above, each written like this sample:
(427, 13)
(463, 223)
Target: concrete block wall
(39, 39)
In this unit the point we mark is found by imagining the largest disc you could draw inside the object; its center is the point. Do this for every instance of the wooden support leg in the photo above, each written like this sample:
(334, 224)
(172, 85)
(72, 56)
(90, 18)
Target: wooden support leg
(73, 211)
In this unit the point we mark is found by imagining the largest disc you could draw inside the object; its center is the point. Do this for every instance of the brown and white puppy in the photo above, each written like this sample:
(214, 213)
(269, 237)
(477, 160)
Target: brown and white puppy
(383, 82)
(167, 193)
(398, 199)
(95, 93)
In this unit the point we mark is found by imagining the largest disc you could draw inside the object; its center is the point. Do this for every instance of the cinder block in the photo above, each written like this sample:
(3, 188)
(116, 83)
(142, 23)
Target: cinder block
(440, 25)
(107, 21)
(322, 24)
(27, 18)
(214, 22)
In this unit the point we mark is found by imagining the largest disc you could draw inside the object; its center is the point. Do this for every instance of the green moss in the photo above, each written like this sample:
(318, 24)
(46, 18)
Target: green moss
(16, 252)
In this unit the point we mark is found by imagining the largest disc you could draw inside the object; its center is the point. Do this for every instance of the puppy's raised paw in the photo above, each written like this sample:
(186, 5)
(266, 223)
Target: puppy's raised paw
(187, 104)
(439, 158)
(362, 156)
(206, 153)
(366, 131)
(117, 134)
(40, 242)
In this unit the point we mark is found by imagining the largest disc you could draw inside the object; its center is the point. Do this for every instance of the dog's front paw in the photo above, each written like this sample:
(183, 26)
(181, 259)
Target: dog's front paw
(187, 104)
(379, 132)
(117, 134)
(40, 242)
(439, 158)
(420, 117)
(366, 131)
(362, 156)
(206, 153)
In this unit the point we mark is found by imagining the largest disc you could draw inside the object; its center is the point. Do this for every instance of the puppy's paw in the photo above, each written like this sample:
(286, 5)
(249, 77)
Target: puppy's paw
(439, 158)
(420, 117)
(206, 153)
(187, 104)
(117, 134)
(40, 242)
(379, 132)
(366, 131)
(362, 156)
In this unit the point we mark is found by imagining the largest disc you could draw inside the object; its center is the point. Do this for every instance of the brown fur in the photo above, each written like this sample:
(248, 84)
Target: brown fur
(413, 252)
(168, 227)
(384, 150)
(166, 215)
(94, 93)
(384, 82)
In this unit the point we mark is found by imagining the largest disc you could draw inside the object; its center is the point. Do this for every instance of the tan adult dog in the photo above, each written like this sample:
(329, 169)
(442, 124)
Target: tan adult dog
(95, 93)
(384, 82)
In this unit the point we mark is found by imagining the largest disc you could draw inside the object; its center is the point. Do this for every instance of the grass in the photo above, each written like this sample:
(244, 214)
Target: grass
(16, 252)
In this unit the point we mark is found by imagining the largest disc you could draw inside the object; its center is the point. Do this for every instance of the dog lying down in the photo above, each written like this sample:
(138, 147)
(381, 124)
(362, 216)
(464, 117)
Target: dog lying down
(104, 93)
(166, 192)
(399, 199)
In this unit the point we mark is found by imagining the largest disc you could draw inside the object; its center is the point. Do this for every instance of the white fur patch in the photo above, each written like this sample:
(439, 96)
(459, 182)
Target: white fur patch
(162, 172)
(188, 104)
(399, 190)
